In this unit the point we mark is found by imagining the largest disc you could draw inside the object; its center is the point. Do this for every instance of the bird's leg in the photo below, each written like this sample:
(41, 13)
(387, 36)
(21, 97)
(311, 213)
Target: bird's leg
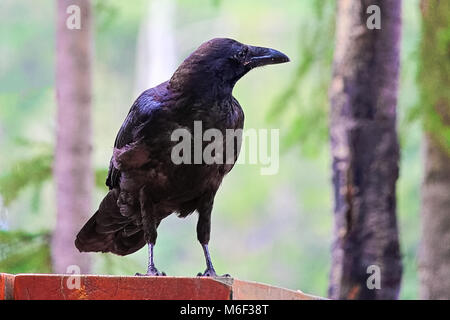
(203, 233)
(149, 225)
(151, 270)
(209, 272)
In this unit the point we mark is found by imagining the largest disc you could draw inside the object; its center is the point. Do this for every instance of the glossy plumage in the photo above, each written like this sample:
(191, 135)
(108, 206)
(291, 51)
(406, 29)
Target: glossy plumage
(145, 184)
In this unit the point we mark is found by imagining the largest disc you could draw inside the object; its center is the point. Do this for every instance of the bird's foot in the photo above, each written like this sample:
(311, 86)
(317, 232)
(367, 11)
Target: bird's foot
(210, 272)
(151, 272)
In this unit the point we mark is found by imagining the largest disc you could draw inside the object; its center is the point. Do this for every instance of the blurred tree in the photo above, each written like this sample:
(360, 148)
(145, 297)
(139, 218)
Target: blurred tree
(72, 168)
(434, 78)
(364, 147)
(155, 47)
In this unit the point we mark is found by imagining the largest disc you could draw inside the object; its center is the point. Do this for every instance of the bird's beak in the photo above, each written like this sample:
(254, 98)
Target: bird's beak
(259, 56)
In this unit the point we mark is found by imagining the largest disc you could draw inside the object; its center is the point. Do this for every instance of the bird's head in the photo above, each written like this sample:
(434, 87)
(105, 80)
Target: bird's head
(219, 63)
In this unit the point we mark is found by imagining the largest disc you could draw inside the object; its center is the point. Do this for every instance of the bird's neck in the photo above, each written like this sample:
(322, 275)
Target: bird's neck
(203, 86)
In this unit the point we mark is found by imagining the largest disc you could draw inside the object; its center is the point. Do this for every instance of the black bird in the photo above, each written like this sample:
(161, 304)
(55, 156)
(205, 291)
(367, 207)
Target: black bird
(145, 184)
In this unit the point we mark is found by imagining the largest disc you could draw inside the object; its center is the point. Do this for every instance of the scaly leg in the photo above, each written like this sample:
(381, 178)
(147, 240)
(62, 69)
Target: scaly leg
(151, 270)
(203, 233)
(149, 226)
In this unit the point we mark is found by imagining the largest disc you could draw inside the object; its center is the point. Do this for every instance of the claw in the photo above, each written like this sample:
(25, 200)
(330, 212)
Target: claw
(212, 273)
(152, 273)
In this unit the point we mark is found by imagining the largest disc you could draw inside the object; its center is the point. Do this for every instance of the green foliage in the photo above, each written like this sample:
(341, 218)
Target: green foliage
(22, 252)
(100, 178)
(105, 12)
(32, 171)
(304, 101)
(434, 71)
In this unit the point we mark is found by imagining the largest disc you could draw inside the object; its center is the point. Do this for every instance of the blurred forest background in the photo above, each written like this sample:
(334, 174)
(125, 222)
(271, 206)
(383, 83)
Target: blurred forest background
(275, 229)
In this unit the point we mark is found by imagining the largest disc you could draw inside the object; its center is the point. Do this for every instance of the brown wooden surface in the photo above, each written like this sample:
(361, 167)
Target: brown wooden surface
(247, 290)
(94, 287)
(6, 286)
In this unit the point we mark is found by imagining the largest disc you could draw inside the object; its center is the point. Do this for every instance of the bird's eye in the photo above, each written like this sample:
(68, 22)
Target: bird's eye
(241, 54)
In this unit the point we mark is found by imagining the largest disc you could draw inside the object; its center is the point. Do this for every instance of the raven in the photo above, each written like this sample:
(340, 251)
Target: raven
(145, 184)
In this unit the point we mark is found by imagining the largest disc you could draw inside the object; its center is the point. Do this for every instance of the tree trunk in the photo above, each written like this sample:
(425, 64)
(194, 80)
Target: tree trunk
(72, 169)
(364, 147)
(434, 255)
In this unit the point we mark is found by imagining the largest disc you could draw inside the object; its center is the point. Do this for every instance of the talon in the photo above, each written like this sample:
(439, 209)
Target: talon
(151, 273)
(207, 273)
(212, 273)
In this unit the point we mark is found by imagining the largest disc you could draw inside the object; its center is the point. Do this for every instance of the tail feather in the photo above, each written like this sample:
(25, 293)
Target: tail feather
(109, 231)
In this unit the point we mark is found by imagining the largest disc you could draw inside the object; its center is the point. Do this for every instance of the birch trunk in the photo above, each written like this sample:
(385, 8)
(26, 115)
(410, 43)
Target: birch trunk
(72, 169)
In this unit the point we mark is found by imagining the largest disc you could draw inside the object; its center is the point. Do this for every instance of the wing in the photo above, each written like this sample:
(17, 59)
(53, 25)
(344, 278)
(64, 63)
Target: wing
(140, 112)
(236, 122)
(124, 137)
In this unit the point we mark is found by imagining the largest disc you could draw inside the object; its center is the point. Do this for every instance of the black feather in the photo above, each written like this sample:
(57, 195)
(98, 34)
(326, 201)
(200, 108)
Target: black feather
(145, 184)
